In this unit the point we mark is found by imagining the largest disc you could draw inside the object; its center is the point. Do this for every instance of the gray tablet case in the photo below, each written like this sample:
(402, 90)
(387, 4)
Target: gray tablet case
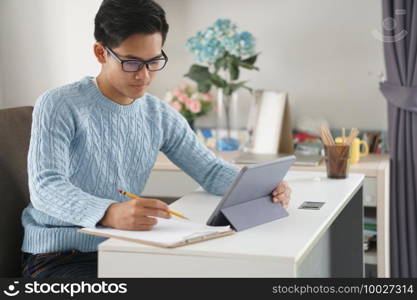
(248, 201)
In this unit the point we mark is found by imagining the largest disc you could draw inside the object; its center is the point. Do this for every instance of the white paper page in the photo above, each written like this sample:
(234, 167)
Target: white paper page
(166, 232)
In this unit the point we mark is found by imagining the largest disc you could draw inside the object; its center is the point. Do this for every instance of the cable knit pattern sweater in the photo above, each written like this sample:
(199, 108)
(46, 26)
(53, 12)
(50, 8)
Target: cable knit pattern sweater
(84, 147)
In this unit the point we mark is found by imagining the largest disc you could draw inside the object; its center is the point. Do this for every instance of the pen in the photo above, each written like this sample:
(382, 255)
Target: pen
(137, 197)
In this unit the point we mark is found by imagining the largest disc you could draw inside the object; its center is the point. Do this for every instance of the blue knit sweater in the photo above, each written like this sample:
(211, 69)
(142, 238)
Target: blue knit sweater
(84, 147)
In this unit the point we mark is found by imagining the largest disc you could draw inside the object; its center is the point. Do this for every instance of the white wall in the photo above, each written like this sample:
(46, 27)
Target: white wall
(44, 44)
(321, 51)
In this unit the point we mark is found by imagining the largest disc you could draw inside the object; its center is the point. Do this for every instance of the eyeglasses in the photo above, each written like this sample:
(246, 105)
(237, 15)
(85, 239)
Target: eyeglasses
(134, 65)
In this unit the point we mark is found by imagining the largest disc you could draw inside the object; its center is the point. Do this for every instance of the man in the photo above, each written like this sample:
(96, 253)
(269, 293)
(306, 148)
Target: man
(95, 136)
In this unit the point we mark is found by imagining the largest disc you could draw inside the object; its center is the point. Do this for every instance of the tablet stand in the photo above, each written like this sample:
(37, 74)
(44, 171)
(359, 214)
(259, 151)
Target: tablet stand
(252, 213)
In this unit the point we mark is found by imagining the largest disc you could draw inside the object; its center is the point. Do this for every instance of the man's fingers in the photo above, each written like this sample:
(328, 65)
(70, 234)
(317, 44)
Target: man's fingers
(155, 213)
(139, 226)
(281, 188)
(153, 203)
(144, 222)
(144, 228)
(284, 196)
(147, 221)
(287, 193)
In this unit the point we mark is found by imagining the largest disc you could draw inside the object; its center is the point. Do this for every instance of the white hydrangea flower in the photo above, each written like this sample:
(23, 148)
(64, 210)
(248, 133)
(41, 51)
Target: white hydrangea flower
(168, 97)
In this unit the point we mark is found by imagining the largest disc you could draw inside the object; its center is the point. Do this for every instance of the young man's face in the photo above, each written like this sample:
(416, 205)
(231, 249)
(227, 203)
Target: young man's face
(131, 85)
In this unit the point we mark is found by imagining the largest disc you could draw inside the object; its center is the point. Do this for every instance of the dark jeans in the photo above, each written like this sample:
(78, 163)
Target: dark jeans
(67, 264)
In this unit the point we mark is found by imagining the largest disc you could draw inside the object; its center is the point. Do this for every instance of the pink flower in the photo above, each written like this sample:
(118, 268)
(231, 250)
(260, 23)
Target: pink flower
(183, 86)
(183, 98)
(194, 106)
(177, 106)
(176, 92)
(207, 97)
(188, 103)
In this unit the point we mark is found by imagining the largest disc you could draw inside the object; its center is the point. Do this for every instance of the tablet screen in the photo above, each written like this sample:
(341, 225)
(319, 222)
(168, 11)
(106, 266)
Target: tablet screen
(254, 182)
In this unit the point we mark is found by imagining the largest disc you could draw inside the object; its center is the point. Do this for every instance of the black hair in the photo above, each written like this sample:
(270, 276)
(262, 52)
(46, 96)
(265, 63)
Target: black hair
(116, 20)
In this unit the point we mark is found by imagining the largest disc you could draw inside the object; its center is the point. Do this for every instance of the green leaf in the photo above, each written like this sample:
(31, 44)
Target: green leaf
(248, 66)
(248, 88)
(198, 73)
(251, 60)
(235, 86)
(234, 72)
(201, 75)
(218, 64)
(204, 87)
(218, 81)
(238, 84)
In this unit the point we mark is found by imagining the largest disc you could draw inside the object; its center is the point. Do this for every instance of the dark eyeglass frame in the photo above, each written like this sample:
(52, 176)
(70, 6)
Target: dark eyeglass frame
(142, 63)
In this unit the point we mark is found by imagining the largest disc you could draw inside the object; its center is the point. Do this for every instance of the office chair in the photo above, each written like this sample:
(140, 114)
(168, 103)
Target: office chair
(15, 127)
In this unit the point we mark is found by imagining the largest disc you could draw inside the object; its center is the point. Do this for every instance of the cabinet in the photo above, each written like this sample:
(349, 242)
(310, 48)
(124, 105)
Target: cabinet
(168, 181)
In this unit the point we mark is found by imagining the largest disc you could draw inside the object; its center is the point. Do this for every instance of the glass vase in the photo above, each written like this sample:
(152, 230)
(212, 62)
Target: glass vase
(227, 131)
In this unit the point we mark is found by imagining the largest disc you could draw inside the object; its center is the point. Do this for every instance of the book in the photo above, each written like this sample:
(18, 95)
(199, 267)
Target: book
(168, 233)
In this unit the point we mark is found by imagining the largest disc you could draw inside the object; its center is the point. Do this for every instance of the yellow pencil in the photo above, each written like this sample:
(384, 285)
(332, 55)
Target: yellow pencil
(137, 197)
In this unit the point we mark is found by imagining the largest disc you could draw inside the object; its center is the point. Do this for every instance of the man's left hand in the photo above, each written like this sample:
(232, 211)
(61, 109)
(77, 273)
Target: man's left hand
(282, 194)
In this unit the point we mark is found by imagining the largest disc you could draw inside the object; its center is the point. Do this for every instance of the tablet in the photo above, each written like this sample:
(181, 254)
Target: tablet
(248, 201)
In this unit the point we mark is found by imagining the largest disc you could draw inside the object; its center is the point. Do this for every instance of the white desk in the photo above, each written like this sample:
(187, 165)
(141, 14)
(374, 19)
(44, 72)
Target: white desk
(167, 180)
(307, 243)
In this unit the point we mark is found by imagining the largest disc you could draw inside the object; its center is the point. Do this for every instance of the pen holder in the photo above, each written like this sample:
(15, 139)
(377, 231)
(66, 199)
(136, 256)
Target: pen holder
(337, 160)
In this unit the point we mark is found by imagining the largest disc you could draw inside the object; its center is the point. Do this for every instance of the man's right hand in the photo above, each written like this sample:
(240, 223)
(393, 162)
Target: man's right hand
(135, 214)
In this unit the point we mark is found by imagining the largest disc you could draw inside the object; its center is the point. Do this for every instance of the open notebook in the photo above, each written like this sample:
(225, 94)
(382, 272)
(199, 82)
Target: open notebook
(167, 233)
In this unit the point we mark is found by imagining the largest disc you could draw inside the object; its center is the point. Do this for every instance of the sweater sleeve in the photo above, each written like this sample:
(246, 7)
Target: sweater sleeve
(53, 128)
(182, 147)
